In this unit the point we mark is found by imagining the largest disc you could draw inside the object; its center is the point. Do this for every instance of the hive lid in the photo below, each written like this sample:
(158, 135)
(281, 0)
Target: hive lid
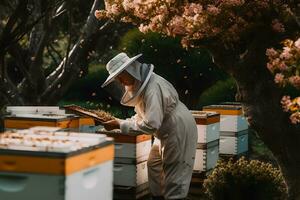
(119, 137)
(224, 107)
(40, 117)
(234, 103)
(49, 143)
(204, 114)
(34, 110)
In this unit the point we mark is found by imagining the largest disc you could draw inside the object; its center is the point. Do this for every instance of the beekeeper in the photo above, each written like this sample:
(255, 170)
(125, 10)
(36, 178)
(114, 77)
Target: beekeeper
(158, 112)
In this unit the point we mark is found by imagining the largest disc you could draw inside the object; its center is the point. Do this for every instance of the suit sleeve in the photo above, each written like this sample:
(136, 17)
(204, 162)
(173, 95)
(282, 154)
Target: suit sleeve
(152, 119)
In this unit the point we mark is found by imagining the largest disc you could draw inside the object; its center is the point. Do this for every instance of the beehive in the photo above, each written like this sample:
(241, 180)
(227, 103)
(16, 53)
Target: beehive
(22, 117)
(44, 164)
(234, 143)
(207, 155)
(208, 125)
(130, 162)
(232, 118)
(233, 128)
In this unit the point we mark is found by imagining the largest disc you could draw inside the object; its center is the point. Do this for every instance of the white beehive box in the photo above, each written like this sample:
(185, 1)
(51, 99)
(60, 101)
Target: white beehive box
(22, 117)
(39, 164)
(208, 125)
(68, 122)
(131, 155)
(232, 118)
(129, 148)
(207, 155)
(132, 175)
(234, 143)
(16, 110)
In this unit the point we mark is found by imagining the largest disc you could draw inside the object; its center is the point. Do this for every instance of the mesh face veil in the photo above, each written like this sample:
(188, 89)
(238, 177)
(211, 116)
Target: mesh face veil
(129, 95)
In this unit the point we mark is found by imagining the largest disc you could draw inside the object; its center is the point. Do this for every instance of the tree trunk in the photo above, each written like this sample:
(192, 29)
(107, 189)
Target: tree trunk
(261, 98)
(261, 101)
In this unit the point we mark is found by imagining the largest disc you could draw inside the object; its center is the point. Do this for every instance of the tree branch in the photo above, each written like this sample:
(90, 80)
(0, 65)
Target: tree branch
(10, 25)
(16, 52)
(63, 77)
(8, 88)
(51, 55)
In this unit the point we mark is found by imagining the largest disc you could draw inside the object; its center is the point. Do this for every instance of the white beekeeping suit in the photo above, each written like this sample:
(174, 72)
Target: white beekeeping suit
(159, 112)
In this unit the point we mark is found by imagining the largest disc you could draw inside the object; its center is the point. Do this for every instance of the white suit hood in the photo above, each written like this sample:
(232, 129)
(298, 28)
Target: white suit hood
(142, 74)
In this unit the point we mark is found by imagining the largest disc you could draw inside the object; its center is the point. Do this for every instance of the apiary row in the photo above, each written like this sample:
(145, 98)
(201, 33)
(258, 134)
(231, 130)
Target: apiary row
(222, 131)
(131, 152)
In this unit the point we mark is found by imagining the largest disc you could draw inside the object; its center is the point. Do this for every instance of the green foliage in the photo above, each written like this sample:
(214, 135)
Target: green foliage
(87, 92)
(190, 71)
(243, 180)
(221, 91)
(89, 86)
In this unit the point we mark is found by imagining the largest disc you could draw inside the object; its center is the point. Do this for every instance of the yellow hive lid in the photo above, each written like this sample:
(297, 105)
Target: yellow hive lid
(205, 117)
(225, 109)
(44, 152)
(122, 138)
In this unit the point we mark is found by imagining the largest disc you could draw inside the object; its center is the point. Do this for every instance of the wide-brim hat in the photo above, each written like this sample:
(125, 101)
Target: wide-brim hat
(118, 64)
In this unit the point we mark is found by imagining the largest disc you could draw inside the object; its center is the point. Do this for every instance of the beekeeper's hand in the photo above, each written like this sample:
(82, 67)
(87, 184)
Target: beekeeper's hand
(112, 124)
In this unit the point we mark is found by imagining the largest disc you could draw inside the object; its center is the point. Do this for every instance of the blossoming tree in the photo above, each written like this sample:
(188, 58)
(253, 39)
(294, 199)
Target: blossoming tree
(237, 33)
(285, 64)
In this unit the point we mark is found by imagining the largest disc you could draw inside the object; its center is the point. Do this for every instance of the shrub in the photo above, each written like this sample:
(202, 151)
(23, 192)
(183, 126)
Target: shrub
(243, 180)
(221, 91)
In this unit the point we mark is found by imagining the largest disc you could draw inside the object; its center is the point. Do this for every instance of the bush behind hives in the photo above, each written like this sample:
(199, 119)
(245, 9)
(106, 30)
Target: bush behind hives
(221, 91)
(245, 180)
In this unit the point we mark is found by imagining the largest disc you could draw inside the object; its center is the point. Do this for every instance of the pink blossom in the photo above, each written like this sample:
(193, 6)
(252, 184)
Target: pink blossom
(276, 62)
(271, 52)
(295, 81)
(279, 78)
(286, 103)
(295, 117)
(278, 26)
(115, 9)
(192, 9)
(185, 42)
(163, 10)
(286, 53)
(213, 10)
(298, 101)
(297, 43)
(143, 28)
(270, 67)
(127, 5)
(282, 66)
(177, 25)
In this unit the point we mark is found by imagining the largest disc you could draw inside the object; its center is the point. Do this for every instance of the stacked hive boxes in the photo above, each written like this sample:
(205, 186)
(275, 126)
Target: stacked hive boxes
(130, 164)
(22, 117)
(41, 163)
(233, 129)
(207, 153)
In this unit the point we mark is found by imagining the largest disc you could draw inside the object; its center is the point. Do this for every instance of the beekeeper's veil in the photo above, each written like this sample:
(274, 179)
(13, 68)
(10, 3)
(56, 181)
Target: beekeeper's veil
(127, 95)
